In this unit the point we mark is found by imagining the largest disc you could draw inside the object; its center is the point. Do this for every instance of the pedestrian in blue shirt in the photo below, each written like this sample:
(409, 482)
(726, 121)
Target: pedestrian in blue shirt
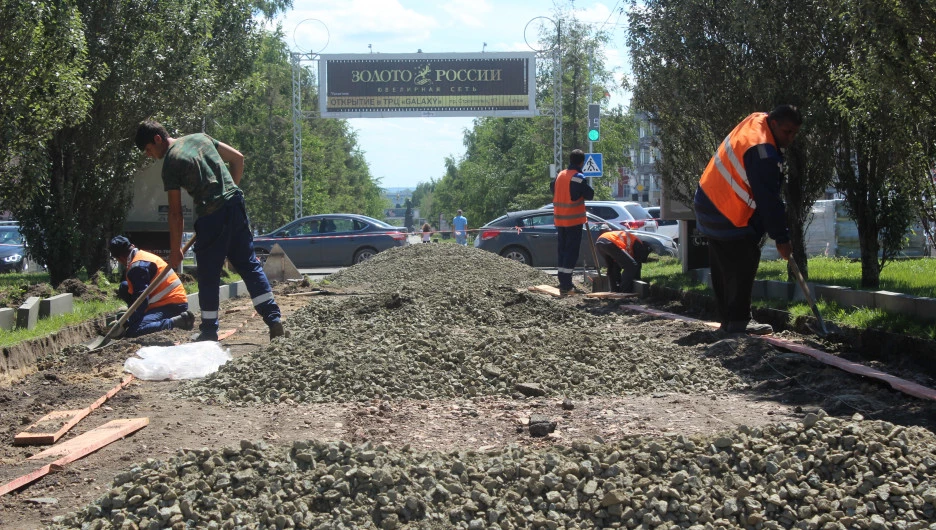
(460, 223)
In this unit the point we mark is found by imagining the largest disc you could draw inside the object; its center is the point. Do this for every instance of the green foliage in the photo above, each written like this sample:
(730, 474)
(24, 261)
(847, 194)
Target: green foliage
(912, 276)
(506, 161)
(143, 59)
(857, 70)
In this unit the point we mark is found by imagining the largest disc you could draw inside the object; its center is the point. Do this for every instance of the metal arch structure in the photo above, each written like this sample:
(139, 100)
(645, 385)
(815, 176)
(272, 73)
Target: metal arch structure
(296, 58)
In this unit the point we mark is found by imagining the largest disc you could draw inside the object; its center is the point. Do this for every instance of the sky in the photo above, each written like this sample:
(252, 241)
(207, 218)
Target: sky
(402, 152)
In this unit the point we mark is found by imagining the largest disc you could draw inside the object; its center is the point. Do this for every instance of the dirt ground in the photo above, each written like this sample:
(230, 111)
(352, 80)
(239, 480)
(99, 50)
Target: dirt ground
(783, 388)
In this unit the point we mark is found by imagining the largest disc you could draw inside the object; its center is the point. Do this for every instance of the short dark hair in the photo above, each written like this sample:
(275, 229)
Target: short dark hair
(786, 114)
(577, 157)
(146, 131)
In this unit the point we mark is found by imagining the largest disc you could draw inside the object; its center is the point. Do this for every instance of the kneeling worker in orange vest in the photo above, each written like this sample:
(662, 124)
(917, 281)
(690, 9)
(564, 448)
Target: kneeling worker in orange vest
(623, 254)
(166, 306)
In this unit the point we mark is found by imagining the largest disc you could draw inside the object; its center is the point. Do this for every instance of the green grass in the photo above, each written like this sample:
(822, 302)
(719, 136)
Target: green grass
(83, 311)
(915, 277)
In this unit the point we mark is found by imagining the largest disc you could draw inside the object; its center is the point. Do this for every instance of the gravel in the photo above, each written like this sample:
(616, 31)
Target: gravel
(445, 321)
(821, 473)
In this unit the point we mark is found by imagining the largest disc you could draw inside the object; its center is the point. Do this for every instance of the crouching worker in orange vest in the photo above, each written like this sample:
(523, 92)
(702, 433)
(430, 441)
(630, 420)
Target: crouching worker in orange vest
(623, 254)
(166, 306)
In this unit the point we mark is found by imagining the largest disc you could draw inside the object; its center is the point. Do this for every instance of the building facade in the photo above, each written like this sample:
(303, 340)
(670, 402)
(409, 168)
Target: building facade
(641, 182)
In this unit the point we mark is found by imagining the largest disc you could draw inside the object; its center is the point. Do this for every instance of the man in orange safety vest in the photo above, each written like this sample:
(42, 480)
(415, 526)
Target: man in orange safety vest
(738, 200)
(623, 254)
(570, 191)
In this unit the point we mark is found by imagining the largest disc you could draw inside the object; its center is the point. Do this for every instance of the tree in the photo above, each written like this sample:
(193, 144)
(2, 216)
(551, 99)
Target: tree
(700, 67)
(144, 59)
(886, 116)
(43, 76)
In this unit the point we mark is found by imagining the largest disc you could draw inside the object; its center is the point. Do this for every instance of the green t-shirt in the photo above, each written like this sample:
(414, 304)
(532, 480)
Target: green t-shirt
(193, 163)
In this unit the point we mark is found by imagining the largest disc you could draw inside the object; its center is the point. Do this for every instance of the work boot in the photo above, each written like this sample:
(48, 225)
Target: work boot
(751, 328)
(277, 330)
(205, 336)
(185, 320)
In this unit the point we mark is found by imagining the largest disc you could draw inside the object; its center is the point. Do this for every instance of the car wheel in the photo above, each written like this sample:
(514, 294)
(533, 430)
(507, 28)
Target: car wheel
(517, 254)
(262, 255)
(363, 255)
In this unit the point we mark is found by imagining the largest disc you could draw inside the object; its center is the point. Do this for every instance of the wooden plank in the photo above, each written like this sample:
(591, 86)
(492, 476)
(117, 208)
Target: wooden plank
(94, 439)
(902, 385)
(548, 289)
(67, 419)
(18, 483)
(90, 442)
(47, 438)
(608, 295)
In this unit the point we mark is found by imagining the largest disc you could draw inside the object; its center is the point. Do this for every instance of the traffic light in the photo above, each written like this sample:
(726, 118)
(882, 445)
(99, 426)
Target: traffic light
(594, 120)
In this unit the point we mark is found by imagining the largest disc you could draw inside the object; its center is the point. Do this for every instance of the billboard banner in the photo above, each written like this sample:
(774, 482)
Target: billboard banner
(427, 85)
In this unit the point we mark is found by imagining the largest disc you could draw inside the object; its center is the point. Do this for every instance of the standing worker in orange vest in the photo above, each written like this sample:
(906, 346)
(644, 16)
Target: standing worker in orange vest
(738, 200)
(166, 306)
(570, 191)
(623, 254)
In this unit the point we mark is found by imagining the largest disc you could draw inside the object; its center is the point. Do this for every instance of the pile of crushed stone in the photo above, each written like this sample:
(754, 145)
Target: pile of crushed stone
(821, 473)
(445, 321)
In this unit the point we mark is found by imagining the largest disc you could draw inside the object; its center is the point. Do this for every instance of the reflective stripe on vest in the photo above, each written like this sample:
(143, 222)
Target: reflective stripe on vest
(622, 239)
(567, 212)
(725, 181)
(169, 292)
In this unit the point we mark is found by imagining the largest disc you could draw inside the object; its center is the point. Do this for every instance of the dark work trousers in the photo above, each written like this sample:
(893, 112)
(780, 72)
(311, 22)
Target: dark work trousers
(570, 239)
(734, 264)
(226, 234)
(154, 319)
(623, 269)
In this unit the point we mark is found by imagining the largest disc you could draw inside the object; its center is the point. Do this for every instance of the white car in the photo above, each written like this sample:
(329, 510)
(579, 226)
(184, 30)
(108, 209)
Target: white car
(631, 215)
(667, 227)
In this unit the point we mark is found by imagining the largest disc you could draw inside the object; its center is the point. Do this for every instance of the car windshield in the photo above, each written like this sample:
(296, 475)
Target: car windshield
(637, 211)
(377, 222)
(11, 236)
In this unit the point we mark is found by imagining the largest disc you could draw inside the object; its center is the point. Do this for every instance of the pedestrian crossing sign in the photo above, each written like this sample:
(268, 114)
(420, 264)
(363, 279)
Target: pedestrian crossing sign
(593, 165)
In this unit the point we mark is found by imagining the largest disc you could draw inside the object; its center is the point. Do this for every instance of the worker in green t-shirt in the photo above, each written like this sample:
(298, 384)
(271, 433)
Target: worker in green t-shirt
(199, 164)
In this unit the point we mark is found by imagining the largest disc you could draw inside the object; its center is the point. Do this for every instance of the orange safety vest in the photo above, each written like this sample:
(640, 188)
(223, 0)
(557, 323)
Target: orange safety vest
(170, 291)
(725, 181)
(623, 239)
(567, 212)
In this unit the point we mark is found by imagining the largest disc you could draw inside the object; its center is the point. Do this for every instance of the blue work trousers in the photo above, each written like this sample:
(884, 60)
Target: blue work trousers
(570, 239)
(225, 234)
(154, 319)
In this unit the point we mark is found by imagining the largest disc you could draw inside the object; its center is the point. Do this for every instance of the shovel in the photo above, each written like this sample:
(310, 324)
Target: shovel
(100, 342)
(594, 254)
(812, 303)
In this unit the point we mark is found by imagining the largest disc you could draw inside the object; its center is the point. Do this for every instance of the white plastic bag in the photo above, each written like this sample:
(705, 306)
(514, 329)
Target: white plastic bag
(185, 361)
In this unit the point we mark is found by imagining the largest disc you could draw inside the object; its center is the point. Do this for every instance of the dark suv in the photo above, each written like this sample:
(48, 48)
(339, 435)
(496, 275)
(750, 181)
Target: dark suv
(12, 248)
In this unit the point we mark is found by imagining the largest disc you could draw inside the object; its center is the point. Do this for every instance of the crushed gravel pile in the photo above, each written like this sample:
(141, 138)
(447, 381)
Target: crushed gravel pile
(821, 473)
(443, 321)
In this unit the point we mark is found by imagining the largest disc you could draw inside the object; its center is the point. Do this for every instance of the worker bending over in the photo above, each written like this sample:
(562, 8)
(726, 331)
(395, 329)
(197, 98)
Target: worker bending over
(623, 254)
(166, 306)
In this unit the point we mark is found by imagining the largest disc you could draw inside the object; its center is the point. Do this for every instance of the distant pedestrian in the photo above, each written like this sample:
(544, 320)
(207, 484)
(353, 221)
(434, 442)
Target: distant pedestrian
(427, 233)
(460, 223)
(570, 191)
